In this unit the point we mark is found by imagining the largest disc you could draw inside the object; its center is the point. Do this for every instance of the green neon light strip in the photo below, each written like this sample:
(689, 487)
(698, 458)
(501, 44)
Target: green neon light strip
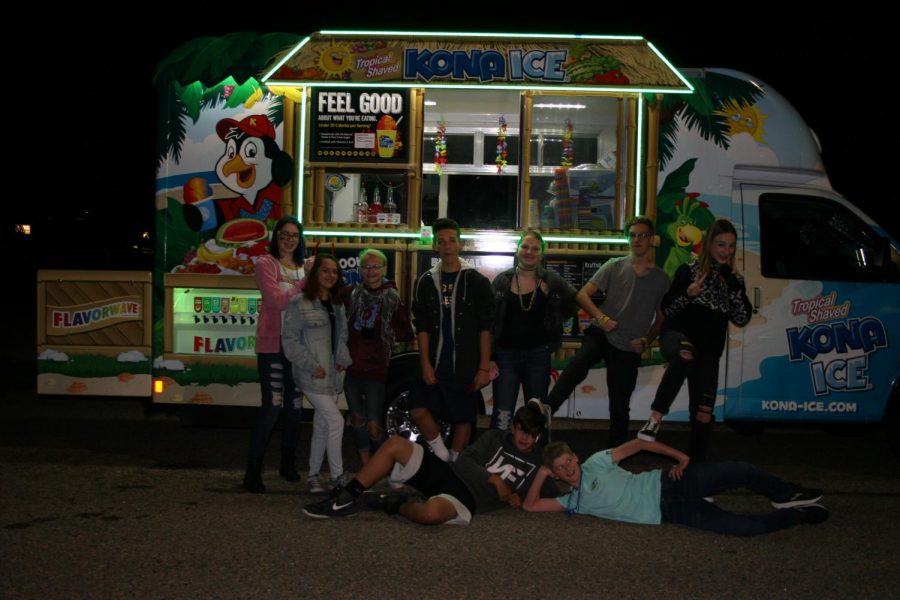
(360, 233)
(469, 86)
(671, 66)
(585, 240)
(286, 58)
(469, 34)
(301, 157)
(639, 162)
(465, 236)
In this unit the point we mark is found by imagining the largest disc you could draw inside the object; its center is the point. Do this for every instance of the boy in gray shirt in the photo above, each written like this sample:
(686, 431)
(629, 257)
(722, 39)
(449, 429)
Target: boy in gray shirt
(622, 329)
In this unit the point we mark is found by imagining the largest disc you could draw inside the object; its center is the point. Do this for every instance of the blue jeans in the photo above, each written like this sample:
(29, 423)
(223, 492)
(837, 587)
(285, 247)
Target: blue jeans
(621, 377)
(681, 501)
(529, 368)
(365, 399)
(279, 395)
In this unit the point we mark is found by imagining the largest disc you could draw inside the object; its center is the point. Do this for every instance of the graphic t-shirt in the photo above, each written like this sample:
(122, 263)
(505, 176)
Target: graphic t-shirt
(448, 283)
(366, 317)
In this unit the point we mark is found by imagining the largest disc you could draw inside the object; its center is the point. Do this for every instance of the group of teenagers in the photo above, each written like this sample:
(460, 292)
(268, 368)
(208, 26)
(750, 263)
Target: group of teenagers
(318, 336)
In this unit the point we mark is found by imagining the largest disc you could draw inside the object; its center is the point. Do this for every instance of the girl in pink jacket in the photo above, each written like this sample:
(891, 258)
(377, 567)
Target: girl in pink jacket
(280, 276)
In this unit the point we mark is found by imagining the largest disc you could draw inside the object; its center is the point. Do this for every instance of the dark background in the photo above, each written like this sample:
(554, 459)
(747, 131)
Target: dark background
(82, 107)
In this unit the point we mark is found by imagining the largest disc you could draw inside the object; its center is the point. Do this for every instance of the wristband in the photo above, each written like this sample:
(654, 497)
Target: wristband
(599, 321)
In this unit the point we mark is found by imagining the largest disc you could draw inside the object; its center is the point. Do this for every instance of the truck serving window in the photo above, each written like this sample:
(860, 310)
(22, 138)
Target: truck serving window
(805, 237)
(461, 137)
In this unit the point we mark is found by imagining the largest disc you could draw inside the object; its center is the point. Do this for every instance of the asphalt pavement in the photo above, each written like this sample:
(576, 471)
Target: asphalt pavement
(111, 498)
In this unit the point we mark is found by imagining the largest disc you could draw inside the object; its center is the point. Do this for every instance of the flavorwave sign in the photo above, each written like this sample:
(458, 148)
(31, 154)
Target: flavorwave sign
(92, 316)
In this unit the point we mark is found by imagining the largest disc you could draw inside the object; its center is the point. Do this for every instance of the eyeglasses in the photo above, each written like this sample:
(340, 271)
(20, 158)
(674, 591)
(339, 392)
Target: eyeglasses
(640, 235)
(562, 466)
(284, 235)
(371, 267)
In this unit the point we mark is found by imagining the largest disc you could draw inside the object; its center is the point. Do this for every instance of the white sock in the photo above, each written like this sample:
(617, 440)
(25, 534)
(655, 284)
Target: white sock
(439, 449)
(453, 455)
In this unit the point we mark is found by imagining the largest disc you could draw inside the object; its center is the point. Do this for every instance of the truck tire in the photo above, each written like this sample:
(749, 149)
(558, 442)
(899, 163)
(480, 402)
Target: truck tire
(404, 370)
(396, 414)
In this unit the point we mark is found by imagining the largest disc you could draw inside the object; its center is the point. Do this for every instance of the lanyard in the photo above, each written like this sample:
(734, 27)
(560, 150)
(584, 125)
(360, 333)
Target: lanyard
(574, 511)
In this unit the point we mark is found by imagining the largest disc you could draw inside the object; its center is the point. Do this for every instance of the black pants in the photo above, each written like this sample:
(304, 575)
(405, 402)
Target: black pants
(621, 377)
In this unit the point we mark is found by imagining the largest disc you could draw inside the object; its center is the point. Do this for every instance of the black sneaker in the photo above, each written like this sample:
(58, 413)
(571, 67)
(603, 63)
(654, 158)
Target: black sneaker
(339, 505)
(799, 497)
(649, 430)
(811, 514)
(389, 503)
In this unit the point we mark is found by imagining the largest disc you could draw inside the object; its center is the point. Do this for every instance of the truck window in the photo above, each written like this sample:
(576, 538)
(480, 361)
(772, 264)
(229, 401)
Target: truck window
(575, 172)
(805, 237)
(469, 187)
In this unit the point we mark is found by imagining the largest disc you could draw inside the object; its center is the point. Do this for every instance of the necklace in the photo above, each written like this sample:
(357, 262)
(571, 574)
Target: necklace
(288, 270)
(537, 286)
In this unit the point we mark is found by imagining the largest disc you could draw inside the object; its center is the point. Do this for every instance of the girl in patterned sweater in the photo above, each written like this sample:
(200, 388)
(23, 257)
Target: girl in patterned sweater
(705, 295)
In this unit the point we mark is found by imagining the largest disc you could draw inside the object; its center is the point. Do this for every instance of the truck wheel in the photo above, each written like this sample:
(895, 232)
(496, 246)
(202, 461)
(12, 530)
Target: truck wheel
(396, 415)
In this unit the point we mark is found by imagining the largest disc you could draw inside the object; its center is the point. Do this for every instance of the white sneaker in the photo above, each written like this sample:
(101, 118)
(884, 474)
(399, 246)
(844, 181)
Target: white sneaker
(545, 410)
(649, 430)
(315, 486)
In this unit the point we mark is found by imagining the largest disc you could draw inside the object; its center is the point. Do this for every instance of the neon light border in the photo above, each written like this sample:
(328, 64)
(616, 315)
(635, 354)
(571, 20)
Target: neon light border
(465, 236)
(556, 36)
(639, 156)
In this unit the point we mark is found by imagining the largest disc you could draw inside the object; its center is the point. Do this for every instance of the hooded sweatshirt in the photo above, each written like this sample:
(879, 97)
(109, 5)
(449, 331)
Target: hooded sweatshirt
(471, 312)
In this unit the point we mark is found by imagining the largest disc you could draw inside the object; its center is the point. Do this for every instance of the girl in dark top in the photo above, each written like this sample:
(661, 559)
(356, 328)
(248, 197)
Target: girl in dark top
(705, 295)
(530, 306)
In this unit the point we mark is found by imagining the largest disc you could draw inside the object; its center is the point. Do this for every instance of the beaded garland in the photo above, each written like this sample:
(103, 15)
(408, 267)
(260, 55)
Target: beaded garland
(440, 146)
(501, 144)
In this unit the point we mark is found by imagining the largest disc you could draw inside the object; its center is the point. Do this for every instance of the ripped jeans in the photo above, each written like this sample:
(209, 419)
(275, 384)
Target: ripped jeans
(365, 399)
(279, 395)
(529, 368)
(702, 374)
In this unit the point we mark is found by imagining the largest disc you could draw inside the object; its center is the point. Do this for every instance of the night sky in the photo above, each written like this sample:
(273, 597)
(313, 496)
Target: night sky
(82, 126)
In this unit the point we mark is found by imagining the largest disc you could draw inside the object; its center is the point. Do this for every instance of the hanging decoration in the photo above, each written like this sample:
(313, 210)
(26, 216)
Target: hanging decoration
(440, 146)
(568, 150)
(501, 144)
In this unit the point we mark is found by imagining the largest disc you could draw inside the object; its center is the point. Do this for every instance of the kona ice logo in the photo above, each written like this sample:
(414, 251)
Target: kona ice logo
(848, 336)
(485, 65)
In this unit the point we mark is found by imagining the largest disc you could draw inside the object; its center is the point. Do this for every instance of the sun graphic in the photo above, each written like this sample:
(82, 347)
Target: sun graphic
(744, 118)
(335, 59)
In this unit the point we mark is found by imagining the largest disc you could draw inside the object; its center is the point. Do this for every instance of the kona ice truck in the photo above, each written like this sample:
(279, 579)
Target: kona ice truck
(367, 137)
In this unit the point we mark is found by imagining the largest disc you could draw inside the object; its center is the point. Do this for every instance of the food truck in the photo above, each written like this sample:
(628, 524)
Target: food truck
(368, 137)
